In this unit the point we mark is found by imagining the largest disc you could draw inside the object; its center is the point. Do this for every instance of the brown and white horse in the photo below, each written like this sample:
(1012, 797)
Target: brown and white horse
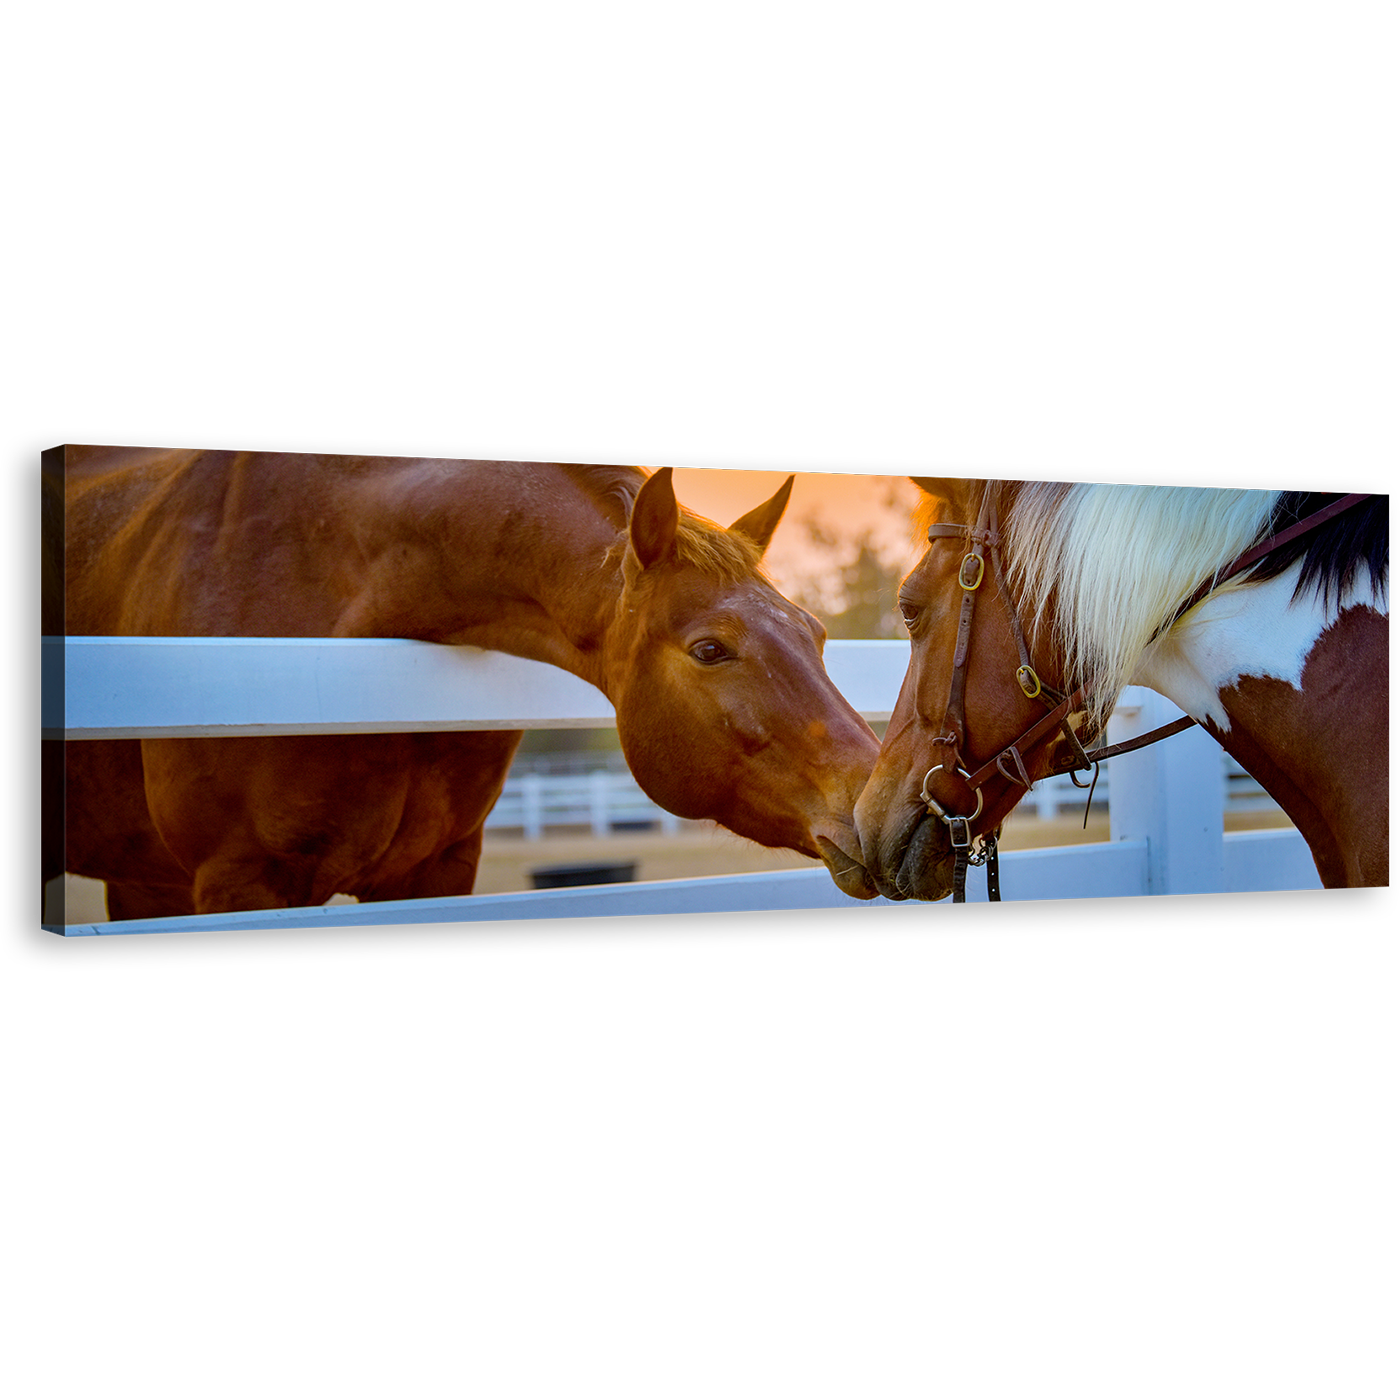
(724, 709)
(1078, 591)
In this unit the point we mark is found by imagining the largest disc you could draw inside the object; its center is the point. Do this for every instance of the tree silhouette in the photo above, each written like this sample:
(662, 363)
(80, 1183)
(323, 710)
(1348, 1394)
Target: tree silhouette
(856, 597)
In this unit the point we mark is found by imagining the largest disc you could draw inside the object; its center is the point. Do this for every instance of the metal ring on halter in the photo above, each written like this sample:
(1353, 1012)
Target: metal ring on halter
(933, 806)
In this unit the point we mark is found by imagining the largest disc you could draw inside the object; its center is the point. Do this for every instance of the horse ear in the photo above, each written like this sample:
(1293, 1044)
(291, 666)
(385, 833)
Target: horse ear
(759, 524)
(655, 517)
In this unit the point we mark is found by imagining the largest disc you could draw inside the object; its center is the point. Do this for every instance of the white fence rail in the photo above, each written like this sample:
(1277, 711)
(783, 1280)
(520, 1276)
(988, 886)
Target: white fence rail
(1165, 814)
(605, 800)
(1052, 796)
(599, 800)
(205, 687)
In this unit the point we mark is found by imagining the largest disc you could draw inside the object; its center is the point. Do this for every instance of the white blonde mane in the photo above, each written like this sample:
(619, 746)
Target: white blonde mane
(1103, 567)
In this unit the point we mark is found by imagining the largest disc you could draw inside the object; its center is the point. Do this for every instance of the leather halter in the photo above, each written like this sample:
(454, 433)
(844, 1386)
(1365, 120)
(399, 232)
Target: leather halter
(984, 540)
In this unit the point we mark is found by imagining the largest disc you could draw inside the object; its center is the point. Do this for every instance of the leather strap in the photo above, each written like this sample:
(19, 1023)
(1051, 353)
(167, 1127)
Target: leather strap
(1265, 547)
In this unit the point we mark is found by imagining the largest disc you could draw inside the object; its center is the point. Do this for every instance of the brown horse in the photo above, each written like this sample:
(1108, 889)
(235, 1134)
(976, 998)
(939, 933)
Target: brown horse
(724, 709)
(1083, 589)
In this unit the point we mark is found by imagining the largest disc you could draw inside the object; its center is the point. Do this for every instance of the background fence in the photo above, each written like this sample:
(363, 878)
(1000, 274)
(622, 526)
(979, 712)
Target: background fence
(1166, 803)
(606, 800)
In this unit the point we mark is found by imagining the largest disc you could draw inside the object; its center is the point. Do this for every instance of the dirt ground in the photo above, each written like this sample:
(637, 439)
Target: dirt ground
(699, 848)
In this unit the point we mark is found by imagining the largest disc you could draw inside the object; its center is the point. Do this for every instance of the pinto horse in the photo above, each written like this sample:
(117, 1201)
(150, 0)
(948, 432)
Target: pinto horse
(1082, 589)
(724, 709)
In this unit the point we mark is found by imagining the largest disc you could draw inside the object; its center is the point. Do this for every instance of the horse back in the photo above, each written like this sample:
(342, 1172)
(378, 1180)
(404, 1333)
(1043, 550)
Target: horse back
(192, 543)
(164, 543)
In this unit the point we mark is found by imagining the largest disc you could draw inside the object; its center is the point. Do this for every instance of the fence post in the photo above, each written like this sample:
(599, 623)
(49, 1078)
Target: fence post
(599, 782)
(532, 806)
(1170, 793)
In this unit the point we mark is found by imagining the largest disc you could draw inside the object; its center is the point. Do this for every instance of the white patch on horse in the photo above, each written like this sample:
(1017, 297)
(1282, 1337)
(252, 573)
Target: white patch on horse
(777, 612)
(1254, 630)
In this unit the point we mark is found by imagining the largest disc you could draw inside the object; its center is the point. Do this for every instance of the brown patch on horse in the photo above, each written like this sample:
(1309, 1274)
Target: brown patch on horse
(1323, 751)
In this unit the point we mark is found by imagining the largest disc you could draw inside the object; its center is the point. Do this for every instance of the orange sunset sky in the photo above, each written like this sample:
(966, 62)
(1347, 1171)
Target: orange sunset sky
(842, 504)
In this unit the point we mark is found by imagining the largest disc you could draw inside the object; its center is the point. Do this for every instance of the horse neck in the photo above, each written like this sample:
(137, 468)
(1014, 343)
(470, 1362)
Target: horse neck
(1257, 630)
(1297, 692)
(541, 576)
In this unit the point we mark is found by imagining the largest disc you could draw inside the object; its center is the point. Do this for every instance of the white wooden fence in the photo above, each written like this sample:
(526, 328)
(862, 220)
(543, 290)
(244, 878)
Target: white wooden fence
(605, 800)
(600, 800)
(1053, 796)
(1165, 815)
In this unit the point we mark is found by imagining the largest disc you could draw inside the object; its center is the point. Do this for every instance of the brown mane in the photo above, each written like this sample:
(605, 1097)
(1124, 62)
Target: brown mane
(700, 543)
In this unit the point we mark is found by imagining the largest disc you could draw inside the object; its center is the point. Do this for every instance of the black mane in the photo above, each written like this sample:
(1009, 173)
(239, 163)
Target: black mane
(1331, 554)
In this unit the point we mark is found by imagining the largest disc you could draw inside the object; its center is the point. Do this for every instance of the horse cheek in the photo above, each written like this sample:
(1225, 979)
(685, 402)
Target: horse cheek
(746, 722)
(664, 738)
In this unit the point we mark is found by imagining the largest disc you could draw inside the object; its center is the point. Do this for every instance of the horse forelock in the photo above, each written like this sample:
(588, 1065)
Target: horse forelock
(715, 551)
(934, 510)
(928, 511)
(701, 545)
(1098, 569)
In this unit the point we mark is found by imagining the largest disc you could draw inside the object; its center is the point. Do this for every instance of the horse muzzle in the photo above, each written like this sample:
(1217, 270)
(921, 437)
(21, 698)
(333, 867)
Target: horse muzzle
(851, 877)
(926, 869)
(915, 861)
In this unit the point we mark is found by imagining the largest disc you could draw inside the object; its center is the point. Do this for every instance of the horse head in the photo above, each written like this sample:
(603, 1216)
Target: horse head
(724, 708)
(973, 688)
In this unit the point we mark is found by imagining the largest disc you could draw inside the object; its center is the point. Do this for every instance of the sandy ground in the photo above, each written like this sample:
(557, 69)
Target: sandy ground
(699, 848)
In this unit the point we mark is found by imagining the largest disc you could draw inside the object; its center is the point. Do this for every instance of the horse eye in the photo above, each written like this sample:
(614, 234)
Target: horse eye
(909, 612)
(709, 652)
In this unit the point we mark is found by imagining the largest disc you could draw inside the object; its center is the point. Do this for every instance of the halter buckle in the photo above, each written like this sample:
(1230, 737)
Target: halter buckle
(963, 576)
(1029, 682)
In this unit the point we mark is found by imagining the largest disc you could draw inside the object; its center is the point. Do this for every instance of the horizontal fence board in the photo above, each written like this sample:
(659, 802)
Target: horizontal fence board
(226, 687)
(1254, 860)
(118, 688)
(176, 687)
(598, 800)
(767, 890)
(1269, 860)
